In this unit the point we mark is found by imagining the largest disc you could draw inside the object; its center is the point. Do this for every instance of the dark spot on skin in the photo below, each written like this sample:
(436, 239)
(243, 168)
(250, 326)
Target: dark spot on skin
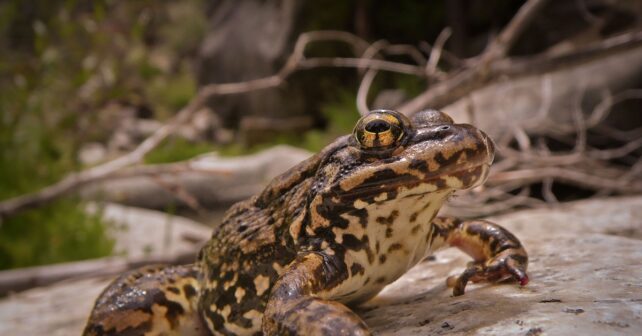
(356, 268)
(366, 281)
(415, 229)
(394, 247)
(493, 245)
(382, 259)
(242, 228)
(380, 280)
(362, 214)
(174, 290)
(420, 165)
(388, 232)
(388, 220)
(478, 230)
(351, 242)
(189, 291)
(522, 259)
(377, 247)
(174, 310)
(413, 217)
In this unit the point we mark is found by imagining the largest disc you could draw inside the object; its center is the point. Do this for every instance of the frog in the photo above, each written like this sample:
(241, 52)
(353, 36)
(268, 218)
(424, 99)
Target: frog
(324, 237)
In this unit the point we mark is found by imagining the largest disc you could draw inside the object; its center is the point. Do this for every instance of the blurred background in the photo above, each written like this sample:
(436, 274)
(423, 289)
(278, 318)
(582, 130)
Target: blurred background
(128, 128)
(558, 85)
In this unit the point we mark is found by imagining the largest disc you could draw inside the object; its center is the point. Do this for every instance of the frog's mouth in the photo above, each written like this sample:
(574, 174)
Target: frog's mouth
(408, 185)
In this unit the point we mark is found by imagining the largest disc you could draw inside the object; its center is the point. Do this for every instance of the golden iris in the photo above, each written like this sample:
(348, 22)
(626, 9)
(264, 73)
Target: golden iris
(380, 129)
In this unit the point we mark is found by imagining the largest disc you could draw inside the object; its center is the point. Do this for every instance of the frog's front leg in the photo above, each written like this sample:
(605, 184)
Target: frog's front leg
(497, 253)
(296, 308)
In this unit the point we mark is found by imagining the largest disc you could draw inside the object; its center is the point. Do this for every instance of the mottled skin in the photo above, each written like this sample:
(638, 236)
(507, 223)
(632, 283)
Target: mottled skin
(330, 232)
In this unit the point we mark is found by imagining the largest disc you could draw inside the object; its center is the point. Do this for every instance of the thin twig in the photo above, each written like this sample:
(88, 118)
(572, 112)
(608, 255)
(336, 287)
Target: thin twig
(295, 62)
(502, 44)
(476, 76)
(368, 78)
(437, 50)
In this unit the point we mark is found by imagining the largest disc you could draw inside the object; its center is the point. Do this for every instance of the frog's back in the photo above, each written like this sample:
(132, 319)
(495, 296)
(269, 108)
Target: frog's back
(249, 250)
(262, 222)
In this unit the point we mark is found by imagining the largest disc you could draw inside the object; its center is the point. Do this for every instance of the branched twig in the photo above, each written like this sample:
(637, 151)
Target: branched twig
(437, 50)
(479, 73)
(502, 44)
(295, 62)
(493, 63)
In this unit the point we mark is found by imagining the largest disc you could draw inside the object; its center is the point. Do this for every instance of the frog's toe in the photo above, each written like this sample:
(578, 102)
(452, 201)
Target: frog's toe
(499, 268)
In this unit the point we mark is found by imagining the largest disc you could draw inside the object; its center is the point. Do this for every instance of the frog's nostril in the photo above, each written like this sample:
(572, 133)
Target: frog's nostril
(443, 128)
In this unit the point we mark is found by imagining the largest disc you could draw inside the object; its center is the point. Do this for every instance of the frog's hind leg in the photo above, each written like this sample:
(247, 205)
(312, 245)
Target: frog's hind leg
(153, 300)
(497, 253)
(296, 305)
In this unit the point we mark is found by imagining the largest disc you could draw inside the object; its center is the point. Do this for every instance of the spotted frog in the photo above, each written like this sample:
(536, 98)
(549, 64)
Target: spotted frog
(326, 235)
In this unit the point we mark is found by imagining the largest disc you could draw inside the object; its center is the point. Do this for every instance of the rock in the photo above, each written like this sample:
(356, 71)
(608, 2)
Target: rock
(585, 270)
(92, 153)
(58, 310)
(147, 233)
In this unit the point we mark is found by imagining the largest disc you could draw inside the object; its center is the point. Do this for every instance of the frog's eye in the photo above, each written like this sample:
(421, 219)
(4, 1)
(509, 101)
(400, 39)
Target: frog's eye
(380, 129)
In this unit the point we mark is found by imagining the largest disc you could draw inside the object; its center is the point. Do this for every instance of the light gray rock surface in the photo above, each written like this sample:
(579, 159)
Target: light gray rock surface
(148, 233)
(585, 270)
(586, 279)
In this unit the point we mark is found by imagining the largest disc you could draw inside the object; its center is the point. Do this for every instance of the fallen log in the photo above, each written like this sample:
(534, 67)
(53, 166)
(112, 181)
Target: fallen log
(212, 180)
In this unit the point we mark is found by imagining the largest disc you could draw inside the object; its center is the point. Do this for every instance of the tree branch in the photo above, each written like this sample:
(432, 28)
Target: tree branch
(502, 44)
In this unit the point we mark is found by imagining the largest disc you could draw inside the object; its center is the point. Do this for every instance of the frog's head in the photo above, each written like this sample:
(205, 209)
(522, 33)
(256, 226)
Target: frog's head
(390, 156)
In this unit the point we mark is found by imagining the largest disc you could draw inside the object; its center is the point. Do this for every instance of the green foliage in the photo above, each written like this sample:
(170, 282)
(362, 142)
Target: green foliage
(61, 231)
(62, 62)
(177, 149)
(340, 113)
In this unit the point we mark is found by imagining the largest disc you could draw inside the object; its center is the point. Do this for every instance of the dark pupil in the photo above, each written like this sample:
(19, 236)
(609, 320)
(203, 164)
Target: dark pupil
(377, 126)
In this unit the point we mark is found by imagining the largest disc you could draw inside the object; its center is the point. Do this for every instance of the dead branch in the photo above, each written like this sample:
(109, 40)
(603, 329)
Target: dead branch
(476, 75)
(437, 50)
(295, 62)
(502, 44)
(524, 161)
(25, 278)
(489, 66)
(466, 81)
(567, 175)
